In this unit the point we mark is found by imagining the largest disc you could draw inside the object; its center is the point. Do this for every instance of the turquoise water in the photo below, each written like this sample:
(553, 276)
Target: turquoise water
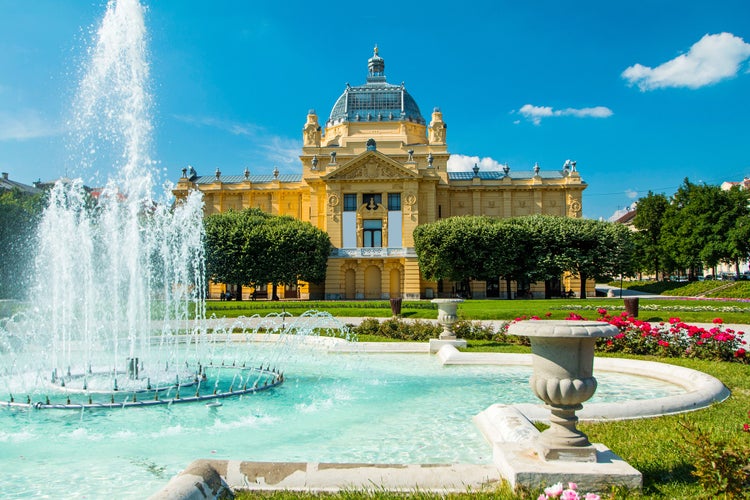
(388, 408)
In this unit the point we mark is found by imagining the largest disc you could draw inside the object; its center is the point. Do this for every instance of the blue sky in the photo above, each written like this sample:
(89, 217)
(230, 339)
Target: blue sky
(641, 94)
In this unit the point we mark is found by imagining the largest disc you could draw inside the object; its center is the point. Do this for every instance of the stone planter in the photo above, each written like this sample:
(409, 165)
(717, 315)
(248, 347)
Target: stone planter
(447, 316)
(563, 364)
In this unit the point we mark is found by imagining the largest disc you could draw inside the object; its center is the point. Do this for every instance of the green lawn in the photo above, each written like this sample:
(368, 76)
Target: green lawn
(711, 288)
(692, 310)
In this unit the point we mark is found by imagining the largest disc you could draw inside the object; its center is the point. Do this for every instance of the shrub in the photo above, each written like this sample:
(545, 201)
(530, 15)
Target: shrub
(721, 469)
(471, 330)
(397, 329)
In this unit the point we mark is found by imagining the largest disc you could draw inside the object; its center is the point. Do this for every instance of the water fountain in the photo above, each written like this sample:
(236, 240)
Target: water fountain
(120, 323)
(120, 277)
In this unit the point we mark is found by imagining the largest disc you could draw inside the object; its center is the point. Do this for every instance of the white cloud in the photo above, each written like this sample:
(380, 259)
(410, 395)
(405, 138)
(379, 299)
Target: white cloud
(282, 150)
(276, 150)
(462, 163)
(711, 59)
(631, 194)
(24, 125)
(234, 128)
(536, 113)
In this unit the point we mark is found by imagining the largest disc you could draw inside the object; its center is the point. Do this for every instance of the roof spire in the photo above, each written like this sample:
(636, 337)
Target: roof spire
(376, 67)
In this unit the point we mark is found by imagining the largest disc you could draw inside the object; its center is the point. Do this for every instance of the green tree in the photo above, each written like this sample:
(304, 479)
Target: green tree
(19, 217)
(515, 255)
(536, 247)
(590, 248)
(698, 225)
(252, 247)
(297, 251)
(649, 219)
(457, 249)
(738, 236)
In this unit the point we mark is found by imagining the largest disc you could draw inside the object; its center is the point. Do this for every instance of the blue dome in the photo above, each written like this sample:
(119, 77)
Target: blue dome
(376, 100)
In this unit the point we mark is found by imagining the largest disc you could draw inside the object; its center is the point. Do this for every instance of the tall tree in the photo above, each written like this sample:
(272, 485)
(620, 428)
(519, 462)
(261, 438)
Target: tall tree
(298, 251)
(592, 249)
(252, 247)
(649, 219)
(456, 248)
(698, 225)
(738, 236)
(516, 253)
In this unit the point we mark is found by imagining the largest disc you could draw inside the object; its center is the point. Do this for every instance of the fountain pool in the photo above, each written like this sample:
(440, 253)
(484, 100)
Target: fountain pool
(356, 407)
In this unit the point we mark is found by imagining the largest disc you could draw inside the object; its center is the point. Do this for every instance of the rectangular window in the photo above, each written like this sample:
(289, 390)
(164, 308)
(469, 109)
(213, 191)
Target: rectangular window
(350, 202)
(372, 232)
(372, 199)
(394, 201)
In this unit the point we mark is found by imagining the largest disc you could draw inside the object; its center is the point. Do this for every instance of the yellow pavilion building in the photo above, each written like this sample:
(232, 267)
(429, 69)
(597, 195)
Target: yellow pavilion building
(374, 171)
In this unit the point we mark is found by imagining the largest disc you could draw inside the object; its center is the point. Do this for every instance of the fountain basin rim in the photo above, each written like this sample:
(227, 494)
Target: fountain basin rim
(562, 328)
(702, 390)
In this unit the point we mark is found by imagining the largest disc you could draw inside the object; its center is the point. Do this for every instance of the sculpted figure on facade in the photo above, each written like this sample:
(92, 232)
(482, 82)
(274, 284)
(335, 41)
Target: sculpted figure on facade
(437, 127)
(311, 130)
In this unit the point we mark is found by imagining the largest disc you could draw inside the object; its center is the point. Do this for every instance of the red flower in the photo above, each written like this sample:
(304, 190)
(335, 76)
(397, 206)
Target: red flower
(663, 343)
(718, 321)
(601, 311)
(740, 353)
(746, 427)
(548, 314)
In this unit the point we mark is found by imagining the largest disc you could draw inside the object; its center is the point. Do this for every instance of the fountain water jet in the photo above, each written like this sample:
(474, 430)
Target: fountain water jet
(120, 273)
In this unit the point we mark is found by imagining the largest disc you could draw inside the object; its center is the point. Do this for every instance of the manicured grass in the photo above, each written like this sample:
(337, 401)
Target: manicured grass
(692, 310)
(711, 288)
(338, 308)
(657, 447)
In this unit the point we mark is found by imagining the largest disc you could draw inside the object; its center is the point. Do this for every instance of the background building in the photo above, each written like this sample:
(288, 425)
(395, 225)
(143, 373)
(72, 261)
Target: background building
(372, 173)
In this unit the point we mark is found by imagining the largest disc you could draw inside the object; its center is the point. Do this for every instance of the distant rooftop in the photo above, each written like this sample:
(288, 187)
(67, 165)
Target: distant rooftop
(7, 184)
(255, 179)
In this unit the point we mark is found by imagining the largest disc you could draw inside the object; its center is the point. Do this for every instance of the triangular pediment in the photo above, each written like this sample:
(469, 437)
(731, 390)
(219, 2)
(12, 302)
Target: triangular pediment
(370, 165)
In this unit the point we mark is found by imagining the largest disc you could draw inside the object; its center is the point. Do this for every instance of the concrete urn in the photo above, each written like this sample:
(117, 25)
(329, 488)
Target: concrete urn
(447, 316)
(563, 363)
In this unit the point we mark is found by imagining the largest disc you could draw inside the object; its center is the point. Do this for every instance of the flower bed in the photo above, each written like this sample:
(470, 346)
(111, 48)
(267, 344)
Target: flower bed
(673, 338)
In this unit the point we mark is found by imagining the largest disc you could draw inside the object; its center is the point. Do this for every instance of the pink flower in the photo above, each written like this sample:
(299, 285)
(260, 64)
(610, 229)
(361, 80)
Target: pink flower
(601, 311)
(542, 497)
(746, 427)
(592, 496)
(569, 495)
(554, 491)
